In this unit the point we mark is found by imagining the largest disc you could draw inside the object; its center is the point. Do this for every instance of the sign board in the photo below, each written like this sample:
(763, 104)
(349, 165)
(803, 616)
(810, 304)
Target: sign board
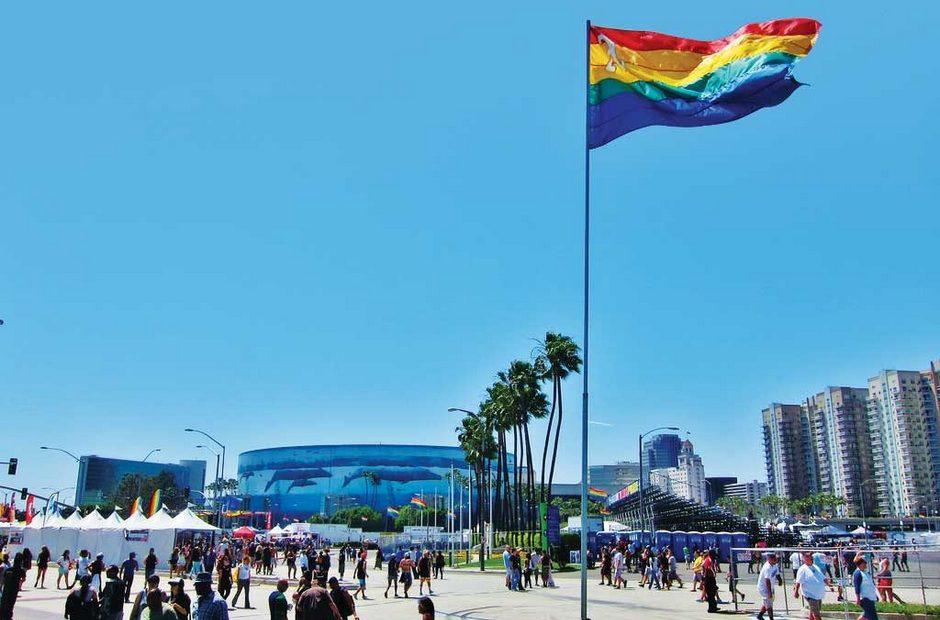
(137, 535)
(553, 525)
(574, 557)
(16, 538)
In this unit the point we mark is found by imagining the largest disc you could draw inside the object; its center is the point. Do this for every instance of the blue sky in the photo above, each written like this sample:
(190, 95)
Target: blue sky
(314, 223)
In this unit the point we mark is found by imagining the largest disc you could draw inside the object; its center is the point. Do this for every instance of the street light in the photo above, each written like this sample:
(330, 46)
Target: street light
(216, 492)
(489, 499)
(216, 442)
(640, 447)
(149, 454)
(77, 460)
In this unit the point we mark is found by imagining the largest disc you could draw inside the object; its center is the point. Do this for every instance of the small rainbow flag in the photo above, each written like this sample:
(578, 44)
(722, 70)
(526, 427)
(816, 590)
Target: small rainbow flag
(154, 502)
(135, 507)
(417, 501)
(597, 493)
(391, 512)
(605, 511)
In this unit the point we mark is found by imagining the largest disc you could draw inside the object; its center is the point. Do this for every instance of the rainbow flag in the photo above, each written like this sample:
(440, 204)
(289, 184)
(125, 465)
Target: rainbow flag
(639, 78)
(597, 493)
(135, 507)
(604, 511)
(417, 501)
(154, 502)
(391, 512)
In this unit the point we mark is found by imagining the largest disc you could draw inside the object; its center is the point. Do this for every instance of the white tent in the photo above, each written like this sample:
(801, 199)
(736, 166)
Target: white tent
(160, 520)
(189, 522)
(114, 520)
(860, 530)
(276, 532)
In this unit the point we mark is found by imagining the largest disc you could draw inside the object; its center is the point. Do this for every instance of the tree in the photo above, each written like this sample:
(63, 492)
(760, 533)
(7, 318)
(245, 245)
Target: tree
(558, 356)
(735, 505)
(359, 516)
(132, 486)
(774, 504)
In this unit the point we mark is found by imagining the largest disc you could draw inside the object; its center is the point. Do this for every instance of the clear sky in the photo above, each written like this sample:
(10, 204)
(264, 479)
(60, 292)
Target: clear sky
(328, 222)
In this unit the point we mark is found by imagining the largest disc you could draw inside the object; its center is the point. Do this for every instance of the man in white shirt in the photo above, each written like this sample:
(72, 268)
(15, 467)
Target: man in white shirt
(536, 565)
(811, 580)
(765, 587)
(795, 561)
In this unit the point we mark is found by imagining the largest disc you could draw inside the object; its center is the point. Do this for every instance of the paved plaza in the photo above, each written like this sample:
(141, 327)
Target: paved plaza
(471, 595)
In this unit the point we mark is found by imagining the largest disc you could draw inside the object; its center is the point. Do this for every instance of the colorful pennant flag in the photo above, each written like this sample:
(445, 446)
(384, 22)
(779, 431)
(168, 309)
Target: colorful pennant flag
(392, 512)
(417, 501)
(135, 507)
(597, 493)
(155, 502)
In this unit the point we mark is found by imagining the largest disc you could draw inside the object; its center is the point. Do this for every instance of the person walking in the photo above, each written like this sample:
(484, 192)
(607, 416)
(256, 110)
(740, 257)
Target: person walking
(732, 577)
(13, 578)
(866, 595)
(128, 570)
(341, 562)
(392, 572)
(710, 583)
(244, 582)
(195, 559)
(64, 565)
(315, 604)
(769, 573)
(82, 604)
(361, 575)
(547, 580)
(812, 581)
(180, 602)
(886, 583)
(175, 562)
(439, 565)
(42, 563)
(672, 568)
(150, 564)
(140, 602)
(344, 603)
(209, 605)
(277, 601)
(407, 569)
(112, 596)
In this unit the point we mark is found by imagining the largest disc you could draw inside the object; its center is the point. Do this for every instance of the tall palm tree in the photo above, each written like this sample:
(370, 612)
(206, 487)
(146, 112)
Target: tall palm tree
(475, 436)
(558, 356)
(527, 402)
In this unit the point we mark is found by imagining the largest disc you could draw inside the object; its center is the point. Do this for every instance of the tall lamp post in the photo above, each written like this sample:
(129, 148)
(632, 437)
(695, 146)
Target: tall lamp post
(640, 448)
(489, 499)
(215, 493)
(149, 454)
(216, 442)
(63, 451)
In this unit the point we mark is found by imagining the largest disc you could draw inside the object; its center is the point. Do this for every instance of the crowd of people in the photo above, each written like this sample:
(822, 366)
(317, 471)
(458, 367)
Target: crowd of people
(98, 591)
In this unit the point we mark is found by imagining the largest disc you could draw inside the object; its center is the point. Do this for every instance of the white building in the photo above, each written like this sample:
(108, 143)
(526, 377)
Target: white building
(687, 479)
(750, 492)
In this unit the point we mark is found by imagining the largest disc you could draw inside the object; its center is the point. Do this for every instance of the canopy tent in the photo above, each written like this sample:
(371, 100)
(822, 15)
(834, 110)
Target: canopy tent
(113, 520)
(860, 530)
(189, 522)
(831, 530)
(244, 532)
(135, 521)
(160, 520)
(276, 532)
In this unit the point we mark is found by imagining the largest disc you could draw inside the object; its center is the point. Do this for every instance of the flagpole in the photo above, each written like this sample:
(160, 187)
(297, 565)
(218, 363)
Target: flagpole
(587, 281)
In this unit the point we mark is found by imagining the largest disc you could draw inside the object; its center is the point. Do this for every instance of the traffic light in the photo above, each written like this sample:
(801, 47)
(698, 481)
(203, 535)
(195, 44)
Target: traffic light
(11, 468)
(24, 493)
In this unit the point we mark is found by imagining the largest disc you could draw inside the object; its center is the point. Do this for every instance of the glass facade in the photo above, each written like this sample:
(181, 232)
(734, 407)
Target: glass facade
(298, 481)
(98, 476)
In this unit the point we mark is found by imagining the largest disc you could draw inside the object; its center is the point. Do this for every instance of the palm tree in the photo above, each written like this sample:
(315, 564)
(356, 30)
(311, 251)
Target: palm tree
(475, 436)
(526, 402)
(558, 356)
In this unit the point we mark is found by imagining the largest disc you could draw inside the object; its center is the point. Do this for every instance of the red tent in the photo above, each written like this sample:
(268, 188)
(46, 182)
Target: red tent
(244, 532)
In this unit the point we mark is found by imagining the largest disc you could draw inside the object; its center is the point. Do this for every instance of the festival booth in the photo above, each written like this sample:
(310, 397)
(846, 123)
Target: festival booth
(244, 532)
(190, 526)
(276, 532)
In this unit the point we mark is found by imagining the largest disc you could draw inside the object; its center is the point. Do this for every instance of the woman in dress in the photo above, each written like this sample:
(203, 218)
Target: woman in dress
(65, 564)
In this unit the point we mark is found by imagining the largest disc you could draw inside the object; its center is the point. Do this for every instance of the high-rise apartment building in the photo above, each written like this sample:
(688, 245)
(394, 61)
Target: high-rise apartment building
(750, 492)
(902, 415)
(840, 439)
(788, 451)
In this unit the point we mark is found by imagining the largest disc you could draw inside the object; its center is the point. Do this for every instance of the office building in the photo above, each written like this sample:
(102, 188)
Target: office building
(788, 451)
(687, 479)
(902, 414)
(750, 492)
(715, 487)
(99, 476)
(660, 452)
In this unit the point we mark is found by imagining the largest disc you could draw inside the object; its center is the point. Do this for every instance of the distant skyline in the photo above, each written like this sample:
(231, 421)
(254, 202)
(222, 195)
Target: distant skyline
(312, 224)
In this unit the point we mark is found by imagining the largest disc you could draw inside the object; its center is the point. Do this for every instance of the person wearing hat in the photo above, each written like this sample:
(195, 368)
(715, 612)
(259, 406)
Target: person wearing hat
(277, 602)
(343, 601)
(866, 594)
(179, 600)
(209, 605)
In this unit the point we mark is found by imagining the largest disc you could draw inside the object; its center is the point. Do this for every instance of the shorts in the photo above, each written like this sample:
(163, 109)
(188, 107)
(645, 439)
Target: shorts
(362, 583)
(815, 605)
(767, 603)
(868, 609)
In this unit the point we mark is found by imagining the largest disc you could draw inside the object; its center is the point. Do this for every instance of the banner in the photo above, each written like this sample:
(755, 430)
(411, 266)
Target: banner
(29, 509)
